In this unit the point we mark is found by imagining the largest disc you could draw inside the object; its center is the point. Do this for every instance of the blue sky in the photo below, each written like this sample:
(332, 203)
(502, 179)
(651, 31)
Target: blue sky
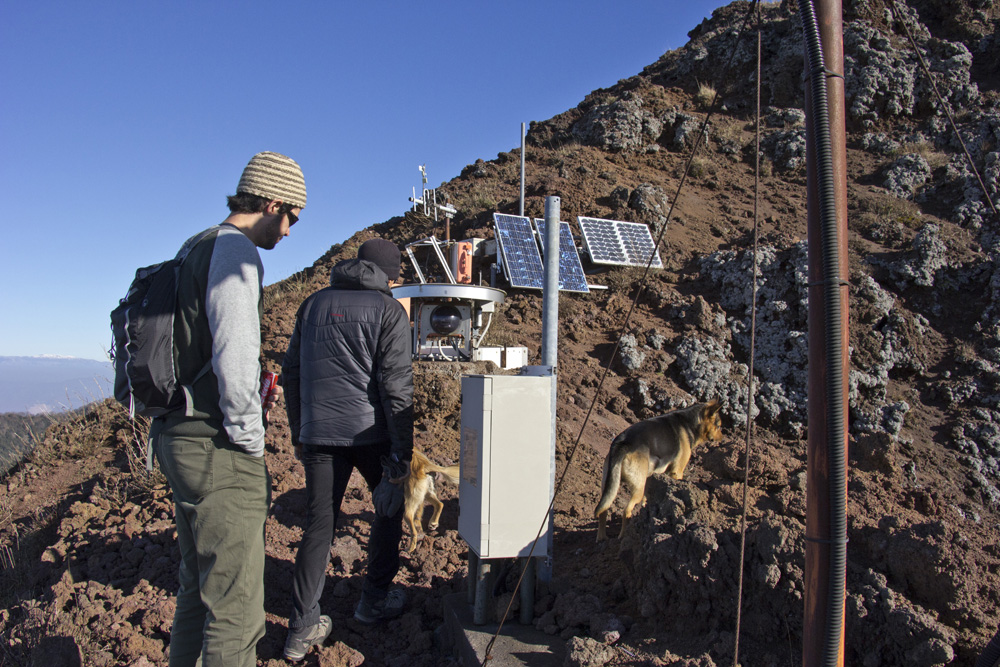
(124, 125)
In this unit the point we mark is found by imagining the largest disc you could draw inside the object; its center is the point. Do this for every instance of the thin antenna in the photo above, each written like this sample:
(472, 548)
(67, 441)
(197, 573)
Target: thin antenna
(522, 171)
(428, 200)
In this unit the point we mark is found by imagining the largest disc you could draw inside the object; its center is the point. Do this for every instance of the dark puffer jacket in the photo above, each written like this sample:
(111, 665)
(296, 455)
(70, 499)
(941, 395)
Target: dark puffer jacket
(348, 375)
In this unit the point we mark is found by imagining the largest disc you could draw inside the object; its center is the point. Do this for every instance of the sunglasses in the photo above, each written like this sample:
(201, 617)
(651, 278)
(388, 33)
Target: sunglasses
(286, 211)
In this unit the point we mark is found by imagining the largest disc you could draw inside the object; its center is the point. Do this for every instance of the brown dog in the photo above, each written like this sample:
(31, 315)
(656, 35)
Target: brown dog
(420, 492)
(660, 444)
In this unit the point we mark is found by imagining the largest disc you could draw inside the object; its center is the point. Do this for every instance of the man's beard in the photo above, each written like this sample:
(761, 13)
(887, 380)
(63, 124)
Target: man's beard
(273, 235)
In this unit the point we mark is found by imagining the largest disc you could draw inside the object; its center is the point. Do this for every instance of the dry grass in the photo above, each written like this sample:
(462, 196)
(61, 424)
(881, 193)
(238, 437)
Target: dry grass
(705, 96)
(701, 167)
(924, 149)
(766, 167)
(297, 285)
(625, 279)
(729, 134)
(895, 210)
(481, 198)
(19, 552)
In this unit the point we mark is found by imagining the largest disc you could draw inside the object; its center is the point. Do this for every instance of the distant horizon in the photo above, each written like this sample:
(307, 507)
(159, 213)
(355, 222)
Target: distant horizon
(51, 356)
(46, 383)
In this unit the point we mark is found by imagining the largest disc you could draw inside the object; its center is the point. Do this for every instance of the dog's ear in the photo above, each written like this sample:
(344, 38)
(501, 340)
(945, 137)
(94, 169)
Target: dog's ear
(712, 407)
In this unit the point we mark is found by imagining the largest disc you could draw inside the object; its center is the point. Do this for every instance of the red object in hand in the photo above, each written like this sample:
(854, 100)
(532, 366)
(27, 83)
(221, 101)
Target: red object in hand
(268, 382)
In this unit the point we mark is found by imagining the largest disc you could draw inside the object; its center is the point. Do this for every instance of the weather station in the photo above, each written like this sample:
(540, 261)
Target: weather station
(451, 316)
(507, 434)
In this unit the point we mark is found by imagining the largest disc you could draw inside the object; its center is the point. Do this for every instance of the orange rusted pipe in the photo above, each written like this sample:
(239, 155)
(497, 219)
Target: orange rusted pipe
(824, 608)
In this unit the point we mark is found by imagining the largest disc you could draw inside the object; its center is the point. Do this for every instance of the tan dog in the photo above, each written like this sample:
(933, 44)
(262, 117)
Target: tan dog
(420, 492)
(660, 444)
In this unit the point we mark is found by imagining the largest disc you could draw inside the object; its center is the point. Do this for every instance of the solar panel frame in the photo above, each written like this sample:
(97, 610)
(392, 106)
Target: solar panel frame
(601, 241)
(638, 243)
(571, 276)
(618, 243)
(522, 263)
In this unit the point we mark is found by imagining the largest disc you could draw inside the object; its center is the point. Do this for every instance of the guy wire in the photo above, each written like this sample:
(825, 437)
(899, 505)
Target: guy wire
(944, 105)
(753, 352)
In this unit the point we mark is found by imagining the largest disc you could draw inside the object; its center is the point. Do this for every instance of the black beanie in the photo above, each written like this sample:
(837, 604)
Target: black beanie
(383, 254)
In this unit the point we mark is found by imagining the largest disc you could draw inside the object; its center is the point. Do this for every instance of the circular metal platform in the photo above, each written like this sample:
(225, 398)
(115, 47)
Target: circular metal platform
(449, 291)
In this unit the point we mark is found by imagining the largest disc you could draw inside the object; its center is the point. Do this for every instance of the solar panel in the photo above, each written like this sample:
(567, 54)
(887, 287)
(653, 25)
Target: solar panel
(601, 241)
(638, 244)
(571, 278)
(522, 265)
(617, 242)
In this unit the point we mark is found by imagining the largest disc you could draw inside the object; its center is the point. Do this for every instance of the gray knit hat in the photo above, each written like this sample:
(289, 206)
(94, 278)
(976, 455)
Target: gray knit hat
(274, 176)
(383, 254)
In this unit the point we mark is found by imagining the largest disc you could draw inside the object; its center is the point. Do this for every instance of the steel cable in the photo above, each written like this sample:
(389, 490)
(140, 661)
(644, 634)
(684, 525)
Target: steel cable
(753, 337)
(944, 105)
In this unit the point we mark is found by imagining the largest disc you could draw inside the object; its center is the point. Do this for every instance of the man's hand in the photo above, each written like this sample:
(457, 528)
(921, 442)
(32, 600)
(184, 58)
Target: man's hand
(298, 452)
(388, 495)
(271, 400)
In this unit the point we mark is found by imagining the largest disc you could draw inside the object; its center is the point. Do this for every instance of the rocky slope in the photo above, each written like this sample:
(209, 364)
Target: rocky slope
(88, 550)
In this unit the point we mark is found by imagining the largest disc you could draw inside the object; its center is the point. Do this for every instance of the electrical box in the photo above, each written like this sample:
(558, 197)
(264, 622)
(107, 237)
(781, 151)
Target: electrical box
(461, 261)
(506, 357)
(507, 465)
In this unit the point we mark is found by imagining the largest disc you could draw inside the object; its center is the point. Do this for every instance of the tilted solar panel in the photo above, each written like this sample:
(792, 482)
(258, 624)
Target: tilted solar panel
(619, 243)
(571, 277)
(638, 244)
(522, 264)
(601, 241)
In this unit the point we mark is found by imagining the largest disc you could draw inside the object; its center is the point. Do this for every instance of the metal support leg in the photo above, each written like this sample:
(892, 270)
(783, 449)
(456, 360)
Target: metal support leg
(470, 578)
(528, 592)
(484, 593)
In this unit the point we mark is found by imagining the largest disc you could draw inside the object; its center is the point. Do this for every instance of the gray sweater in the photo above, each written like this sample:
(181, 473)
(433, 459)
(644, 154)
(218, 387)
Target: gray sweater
(218, 320)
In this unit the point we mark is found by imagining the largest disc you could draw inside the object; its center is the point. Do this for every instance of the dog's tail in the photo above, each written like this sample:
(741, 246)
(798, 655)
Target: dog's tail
(450, 472)
(612, 477)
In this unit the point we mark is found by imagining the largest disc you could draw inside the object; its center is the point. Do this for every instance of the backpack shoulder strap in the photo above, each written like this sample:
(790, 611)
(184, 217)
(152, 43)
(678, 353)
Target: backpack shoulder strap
(193, 241)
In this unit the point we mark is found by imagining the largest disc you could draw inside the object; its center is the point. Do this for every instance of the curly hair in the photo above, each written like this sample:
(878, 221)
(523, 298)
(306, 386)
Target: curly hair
(244, 202)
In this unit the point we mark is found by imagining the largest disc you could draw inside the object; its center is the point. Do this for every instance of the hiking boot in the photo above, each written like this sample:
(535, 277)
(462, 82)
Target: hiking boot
(300, 641)
(371, 610)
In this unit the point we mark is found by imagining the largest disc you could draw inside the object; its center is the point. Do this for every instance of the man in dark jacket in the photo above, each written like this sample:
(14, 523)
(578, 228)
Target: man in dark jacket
(348, 383)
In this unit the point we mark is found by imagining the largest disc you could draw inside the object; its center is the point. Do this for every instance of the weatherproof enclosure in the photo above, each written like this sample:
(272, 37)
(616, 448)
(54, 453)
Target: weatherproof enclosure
(508, 465)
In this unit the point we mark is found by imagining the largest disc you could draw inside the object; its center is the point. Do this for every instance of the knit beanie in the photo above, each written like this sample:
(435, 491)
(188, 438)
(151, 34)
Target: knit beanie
(383, 254)
(274, 176)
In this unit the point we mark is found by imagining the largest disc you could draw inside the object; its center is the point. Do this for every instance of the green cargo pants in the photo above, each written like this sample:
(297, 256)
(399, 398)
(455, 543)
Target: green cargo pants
(221, 499)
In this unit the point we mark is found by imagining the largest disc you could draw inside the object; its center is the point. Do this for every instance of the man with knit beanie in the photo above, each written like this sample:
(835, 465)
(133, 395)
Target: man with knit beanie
(212, 450)
(348, 383)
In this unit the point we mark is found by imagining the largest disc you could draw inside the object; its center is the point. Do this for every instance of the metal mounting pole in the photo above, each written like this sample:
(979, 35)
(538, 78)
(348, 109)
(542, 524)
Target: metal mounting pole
(528, 593)
(550, 294)
(522, 170)
(472, 577)
(484, 592)
(550, 345)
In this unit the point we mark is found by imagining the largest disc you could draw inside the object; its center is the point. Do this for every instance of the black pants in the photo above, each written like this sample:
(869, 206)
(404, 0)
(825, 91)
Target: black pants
(328, 470)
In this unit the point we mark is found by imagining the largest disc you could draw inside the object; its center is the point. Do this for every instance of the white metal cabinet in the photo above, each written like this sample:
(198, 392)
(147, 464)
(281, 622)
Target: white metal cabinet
(507, 464)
